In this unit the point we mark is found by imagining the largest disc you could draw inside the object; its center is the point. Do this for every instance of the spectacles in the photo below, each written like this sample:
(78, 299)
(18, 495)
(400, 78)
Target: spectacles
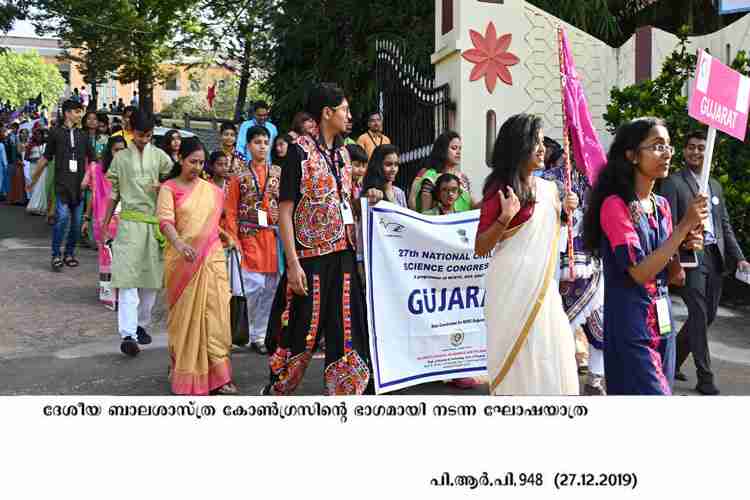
(660, 148)
(694, 147)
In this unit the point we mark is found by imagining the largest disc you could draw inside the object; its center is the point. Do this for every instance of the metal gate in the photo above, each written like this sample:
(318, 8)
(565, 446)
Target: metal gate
(414, 111)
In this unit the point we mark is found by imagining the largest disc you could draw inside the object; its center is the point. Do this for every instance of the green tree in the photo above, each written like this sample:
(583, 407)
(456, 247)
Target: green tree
(139, 36)
(89, 41)
(25, 75)
(614, 21)
(237, 32)
(156, 30)
(10, 12)
(196, 104)
(321, 40)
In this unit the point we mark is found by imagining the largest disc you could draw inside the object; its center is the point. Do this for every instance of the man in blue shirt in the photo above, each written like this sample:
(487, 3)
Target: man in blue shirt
(260, 118)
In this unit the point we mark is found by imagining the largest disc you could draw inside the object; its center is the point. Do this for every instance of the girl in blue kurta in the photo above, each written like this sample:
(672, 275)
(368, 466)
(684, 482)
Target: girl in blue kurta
(631, 229)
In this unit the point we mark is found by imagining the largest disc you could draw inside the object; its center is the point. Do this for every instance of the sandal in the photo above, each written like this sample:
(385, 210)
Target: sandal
(70, 261)
(226, 390)
(57, 264)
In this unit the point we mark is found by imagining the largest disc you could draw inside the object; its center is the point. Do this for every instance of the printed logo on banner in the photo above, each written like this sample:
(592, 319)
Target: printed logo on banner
(704, 75)
(392, 227)
(457, 338)
(462, 235)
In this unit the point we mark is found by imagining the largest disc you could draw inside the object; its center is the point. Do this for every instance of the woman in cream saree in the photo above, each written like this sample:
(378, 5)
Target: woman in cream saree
(195, 273)
(530, 345)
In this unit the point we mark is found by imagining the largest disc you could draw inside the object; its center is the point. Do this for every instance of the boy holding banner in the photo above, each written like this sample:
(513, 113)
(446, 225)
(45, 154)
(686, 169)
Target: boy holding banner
(321, 291)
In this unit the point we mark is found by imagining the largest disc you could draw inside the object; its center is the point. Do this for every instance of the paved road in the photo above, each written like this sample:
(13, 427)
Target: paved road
(55, 338)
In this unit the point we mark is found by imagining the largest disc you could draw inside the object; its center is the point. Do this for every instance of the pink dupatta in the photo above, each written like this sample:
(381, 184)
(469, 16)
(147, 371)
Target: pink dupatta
(204, 200)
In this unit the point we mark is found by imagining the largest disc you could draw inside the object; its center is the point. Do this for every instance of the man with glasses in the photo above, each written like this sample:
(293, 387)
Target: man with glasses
(261, 112)
(374, 136)
(321, 291)
(720, 254)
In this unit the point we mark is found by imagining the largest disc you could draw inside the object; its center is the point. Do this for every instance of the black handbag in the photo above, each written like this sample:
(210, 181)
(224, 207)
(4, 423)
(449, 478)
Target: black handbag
(238, 308)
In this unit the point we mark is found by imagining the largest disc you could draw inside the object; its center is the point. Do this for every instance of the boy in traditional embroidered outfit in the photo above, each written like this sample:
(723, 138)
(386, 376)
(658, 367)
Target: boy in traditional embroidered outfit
(321, 290)
(251, 209)
(137, 261)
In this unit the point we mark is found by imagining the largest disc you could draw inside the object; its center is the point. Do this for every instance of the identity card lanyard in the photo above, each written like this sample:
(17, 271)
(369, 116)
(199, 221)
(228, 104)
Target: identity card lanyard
(346, 210)
(73, 163)
(373, 139)
(663, 316)
(262, 215)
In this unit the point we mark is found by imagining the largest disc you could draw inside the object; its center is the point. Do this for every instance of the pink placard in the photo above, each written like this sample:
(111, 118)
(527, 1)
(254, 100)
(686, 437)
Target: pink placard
(720, 96)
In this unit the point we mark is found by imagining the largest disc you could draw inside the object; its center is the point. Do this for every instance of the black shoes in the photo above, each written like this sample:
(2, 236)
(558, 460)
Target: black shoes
(129, 347)
(143, 337)
(259, 347)
(680, 376)
(707, 389)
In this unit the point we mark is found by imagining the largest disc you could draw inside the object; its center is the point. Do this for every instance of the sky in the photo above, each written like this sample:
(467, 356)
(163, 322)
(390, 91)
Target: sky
(23, 28)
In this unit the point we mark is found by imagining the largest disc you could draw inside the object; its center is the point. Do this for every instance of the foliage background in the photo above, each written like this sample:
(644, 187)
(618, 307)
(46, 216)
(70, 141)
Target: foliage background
(25, 75)
(196, 104)
(665, 97)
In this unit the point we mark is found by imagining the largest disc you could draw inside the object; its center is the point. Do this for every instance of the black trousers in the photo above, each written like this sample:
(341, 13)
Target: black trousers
(701, 293)
(334, 307)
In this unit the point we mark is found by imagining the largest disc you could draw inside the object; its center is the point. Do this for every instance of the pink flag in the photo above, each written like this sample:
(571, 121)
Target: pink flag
(588, 152)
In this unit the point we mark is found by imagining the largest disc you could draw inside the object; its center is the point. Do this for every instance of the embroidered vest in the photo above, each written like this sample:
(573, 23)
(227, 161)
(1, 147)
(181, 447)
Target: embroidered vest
(250, 198)
(318, 224)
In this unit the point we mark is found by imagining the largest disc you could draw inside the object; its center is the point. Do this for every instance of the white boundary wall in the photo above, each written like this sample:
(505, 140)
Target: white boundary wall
(536, 83)
(536, 79)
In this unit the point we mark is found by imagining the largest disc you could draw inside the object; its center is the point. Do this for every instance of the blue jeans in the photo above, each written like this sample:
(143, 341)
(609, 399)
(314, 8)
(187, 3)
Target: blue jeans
(64, 214)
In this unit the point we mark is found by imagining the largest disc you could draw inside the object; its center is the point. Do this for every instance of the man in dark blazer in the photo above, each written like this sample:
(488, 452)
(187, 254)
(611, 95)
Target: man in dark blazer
(720, 255)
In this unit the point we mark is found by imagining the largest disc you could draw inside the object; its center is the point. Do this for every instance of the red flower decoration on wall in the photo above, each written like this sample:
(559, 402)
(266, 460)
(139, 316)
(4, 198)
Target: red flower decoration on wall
(491, 57)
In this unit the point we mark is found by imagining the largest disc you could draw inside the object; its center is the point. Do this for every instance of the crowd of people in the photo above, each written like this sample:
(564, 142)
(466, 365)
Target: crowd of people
(285, 208)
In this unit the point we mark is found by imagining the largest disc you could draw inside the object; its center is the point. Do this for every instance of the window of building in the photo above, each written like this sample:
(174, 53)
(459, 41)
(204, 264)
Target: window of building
(172, 83)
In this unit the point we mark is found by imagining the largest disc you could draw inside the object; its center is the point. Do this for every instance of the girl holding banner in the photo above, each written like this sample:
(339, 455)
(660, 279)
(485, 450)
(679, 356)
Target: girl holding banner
(631, 228)
(530, 348)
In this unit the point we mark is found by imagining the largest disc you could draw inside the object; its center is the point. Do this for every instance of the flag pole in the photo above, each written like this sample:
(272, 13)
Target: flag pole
(566, 149)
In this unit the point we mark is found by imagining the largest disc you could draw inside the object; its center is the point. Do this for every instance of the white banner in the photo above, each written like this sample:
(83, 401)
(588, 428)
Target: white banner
(425, 296)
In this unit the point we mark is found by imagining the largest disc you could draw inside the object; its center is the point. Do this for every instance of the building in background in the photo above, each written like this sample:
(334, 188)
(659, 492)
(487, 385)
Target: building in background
(186, 79)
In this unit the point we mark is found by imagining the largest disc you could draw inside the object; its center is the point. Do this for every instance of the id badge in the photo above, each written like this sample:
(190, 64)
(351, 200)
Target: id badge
(73, 166)
(346, 213)
(662, 316)
(262, 218)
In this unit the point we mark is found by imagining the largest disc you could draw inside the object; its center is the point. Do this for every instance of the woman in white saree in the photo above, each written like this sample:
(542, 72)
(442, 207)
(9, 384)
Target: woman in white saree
(530, 345)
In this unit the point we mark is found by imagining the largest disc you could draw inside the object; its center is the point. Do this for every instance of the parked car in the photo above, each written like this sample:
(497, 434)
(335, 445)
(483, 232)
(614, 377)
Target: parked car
(160, 132)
